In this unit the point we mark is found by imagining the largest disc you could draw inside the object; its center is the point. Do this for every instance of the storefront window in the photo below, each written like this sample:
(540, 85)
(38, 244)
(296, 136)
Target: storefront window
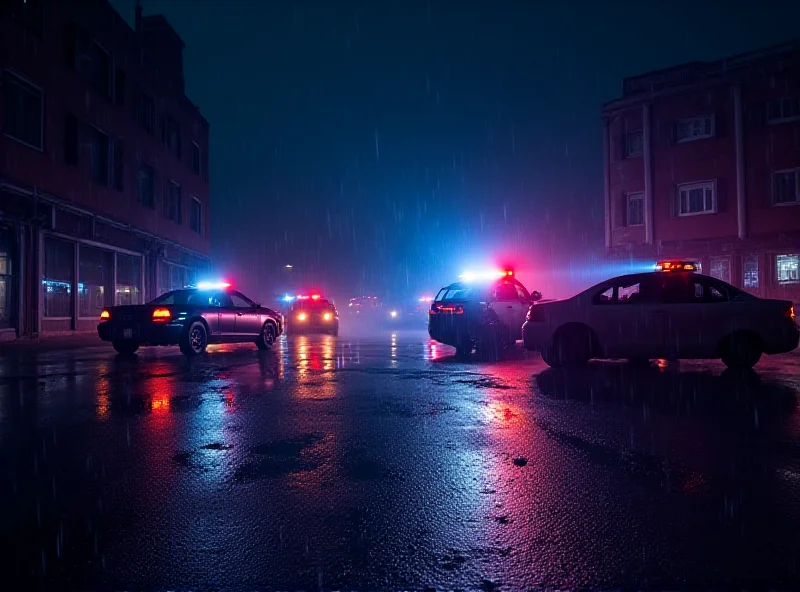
(129, 280)
(173, 277)
(95, 279)
(6, 283)
(59, 261)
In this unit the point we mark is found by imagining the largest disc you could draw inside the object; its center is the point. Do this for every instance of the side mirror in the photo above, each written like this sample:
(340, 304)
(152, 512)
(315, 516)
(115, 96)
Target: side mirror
(536, 296)
(257, 305)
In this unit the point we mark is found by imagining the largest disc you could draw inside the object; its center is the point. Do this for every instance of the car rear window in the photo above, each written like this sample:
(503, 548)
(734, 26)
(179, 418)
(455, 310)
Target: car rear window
(455, 293)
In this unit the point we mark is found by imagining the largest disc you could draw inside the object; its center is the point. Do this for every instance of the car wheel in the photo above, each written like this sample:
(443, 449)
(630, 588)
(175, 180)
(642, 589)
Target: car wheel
(550, 357)
(267, 337)
(195, 340)
(126, 348)
(573, 346)
(741, 351)
(463, 350)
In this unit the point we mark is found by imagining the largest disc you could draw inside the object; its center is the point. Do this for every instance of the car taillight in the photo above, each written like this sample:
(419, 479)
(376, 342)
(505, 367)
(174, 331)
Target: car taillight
(790, 313)
(535, 314)
(105, 315)
(161, 315)
(434, 309)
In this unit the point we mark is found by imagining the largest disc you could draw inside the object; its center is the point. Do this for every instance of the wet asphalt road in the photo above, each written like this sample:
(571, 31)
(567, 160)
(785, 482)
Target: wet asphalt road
(383, 463)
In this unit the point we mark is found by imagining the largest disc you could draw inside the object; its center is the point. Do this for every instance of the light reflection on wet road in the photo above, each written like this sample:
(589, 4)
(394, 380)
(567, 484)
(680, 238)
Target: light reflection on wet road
(384, 463)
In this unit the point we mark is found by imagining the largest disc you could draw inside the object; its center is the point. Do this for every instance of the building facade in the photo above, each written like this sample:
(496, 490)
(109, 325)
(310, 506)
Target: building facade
(702, 161)
(104, 193)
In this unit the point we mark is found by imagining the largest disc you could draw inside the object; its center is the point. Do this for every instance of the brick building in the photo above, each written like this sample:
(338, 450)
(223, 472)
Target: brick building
(104, 194)
(702, 161)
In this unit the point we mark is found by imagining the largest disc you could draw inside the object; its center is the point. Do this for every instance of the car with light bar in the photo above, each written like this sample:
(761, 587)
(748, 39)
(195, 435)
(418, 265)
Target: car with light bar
(312, 314)
(192, 318)
(672, 312)
(483, 311)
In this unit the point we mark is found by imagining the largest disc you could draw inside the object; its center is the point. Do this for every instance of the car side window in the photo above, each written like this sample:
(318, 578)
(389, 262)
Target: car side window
(223, 300)
(705, 291)
(605, 297)
(240, 302)
(507, 292)
(522, 294)
(628, 292)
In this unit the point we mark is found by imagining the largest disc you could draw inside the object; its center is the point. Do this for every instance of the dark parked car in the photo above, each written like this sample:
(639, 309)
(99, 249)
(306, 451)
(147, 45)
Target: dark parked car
(191, 318)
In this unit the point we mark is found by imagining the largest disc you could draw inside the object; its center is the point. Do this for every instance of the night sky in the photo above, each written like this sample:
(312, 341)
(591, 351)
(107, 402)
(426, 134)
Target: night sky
(386, 145)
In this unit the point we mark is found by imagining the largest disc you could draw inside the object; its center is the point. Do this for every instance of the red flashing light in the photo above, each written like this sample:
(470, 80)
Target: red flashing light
(509, 273)
(676, 266)
(161, 315)
(105, 315)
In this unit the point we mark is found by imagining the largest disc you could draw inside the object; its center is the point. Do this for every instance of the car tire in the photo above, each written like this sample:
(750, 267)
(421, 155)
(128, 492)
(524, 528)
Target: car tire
(266, 339)
(194, 340)
(573, 346)
(550, 357)
(125, 348)
(463, 351)
(741, 351)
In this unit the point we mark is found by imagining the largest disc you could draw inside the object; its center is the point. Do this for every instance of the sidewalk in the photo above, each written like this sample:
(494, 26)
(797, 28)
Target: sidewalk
(66, 341)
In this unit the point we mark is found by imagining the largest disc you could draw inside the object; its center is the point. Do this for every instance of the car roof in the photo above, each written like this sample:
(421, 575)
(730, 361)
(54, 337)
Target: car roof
(633, 277)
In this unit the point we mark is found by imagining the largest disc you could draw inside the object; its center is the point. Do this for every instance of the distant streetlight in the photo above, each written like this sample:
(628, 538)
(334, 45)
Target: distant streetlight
(288, 266)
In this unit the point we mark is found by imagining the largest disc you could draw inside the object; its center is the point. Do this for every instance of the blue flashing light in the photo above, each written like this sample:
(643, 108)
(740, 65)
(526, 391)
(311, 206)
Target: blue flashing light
(287, 298)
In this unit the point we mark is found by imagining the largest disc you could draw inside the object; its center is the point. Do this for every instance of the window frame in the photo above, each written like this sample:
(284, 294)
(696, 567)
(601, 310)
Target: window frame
(796, 172)
(777, 272)
(726, 261)
(170, 184)
(712, 118)
(627, 146)
(750, 259)
(152, 204)
(709, 183)
(629, 197)
(195, 201)
(8, 72)
(196, 149)
(141, 120)
(94, 129)
(783, 118)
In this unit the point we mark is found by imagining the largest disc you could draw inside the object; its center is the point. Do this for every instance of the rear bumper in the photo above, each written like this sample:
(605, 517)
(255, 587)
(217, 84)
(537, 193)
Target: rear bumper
(786, 342)
(453, 330)
(313, 327)
(534, 336)
(152, 334)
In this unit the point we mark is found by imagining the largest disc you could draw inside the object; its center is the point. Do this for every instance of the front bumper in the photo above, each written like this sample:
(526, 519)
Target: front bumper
(146, 334)
(785, 343)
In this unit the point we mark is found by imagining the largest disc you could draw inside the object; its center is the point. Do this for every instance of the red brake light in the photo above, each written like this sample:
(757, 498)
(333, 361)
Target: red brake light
(790, 312)
(161, 315)
(105, 315)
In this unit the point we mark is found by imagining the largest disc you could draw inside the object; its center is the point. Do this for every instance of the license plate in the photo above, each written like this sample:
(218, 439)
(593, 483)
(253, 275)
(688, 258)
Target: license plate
(127, 333)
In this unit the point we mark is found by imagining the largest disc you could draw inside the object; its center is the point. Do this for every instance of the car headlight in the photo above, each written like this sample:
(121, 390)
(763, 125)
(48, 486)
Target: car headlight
(327, 316)
(301, 316)
(393, 314)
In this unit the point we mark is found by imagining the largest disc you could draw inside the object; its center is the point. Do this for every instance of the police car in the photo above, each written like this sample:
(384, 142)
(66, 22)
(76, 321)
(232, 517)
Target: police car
(672, 312)
(482, 311)
(312, 314)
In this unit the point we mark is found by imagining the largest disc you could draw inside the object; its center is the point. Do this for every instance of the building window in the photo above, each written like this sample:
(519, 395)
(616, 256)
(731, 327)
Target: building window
(635, 209)
(196, 216)
(117, 165)
(146, 113)
(29, 14)
(129, 280)
(174, 202)
(786, 267)
(785, 187)
(119, 87)
(23, 108)
(100, 147)
(95, 280)
(195, 158)
(696, 198)
(147, 186)
(173, 277)
(171, 136)
(694, 128)
(783, 110)
(634, 142)
(7, 284)
(750, 266)
(71, 149)
(93, 63)
(721, 268)
(59, 273)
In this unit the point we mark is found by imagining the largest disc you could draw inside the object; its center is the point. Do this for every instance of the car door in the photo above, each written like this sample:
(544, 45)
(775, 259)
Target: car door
(506, 305)
(248, 318)
(698, 315)
(628, 318)
(227, 316)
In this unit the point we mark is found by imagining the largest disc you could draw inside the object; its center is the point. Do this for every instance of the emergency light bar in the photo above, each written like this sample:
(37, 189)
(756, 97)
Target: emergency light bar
(676, 266)
(469, 276)
(213, 285)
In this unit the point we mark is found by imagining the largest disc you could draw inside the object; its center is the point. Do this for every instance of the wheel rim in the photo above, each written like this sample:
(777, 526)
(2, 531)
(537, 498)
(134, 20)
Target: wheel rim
(269, 334)
(197, 339)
